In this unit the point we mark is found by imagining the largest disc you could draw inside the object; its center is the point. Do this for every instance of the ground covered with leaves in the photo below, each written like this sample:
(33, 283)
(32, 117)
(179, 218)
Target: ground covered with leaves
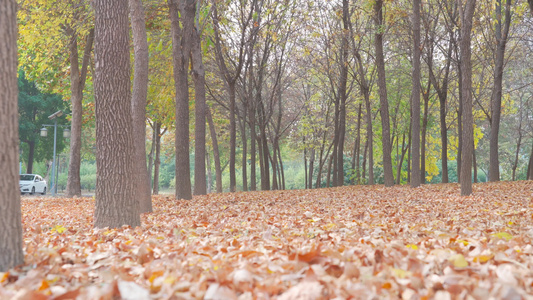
(350, 242)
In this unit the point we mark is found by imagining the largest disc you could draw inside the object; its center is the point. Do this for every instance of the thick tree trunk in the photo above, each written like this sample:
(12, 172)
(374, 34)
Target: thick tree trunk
(198, 74)
(181, 42)
(216, 153)
(138, 106)
(116, 204)
(466, 91)
(11, 253)
(77, 84)
(496, 101)
(415, 98)
(383, 99)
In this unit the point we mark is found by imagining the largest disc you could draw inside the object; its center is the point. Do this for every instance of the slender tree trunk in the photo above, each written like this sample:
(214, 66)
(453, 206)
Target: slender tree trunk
(151, 156)
(424, 136)
(216, 155)
(31, 154)
(515, 164)
(281, 170)
(466, 91)
(253, 137)
(209, 172)
(311, 169)
(496, 101)
(138, 106)
(198, 74)
(244, 153)
(116, 204)
(364, 160)
(383, 99)
(11, 253)
(530, 165)
(330, 164)
(232, 138)
(342, 95)
(181, 41)
(415, 98)
(443, 139)
(474, 165)
(77, 84)
(155, 190)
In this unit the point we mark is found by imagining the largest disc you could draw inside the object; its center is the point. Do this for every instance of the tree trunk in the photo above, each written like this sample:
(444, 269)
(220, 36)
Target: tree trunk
(253, 137)
(474, 165)
(116, 204)
(496, 101)
(415, 98)
(311, 169)
(383, 99)
(216, 155)
(357, 147)
(244, 152)
(151, 156)
(77, 84)
(157, 167)
(424, 136)
(198, 74)
(515, 164)
(181, 42)
(11, 253)
(209, 172)
(31, 154)
(466, 91)
(342, 96)
(138, 106)
(530, 165)
(232, 138)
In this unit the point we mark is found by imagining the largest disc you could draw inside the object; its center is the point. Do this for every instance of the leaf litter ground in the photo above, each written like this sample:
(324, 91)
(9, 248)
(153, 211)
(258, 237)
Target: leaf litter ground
(351, 242)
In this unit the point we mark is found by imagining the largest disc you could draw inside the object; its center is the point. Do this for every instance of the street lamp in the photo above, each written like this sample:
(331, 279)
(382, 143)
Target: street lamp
(44, 133)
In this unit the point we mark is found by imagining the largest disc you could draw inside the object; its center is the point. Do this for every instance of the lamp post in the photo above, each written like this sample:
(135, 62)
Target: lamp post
(44, 133)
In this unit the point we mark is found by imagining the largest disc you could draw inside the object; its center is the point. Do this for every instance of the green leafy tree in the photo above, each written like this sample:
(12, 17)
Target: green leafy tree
(34, 109)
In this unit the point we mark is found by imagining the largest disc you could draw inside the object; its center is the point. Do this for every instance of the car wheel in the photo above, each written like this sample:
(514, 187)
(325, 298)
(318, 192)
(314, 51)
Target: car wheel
(32, 191)
(44, 191)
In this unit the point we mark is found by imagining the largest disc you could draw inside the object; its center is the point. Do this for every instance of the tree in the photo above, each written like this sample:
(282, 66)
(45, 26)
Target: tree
(415, 98)
(466, 14)
(34, 108)
(77, 84)
(383, 101)
(198, 74)
(496, 100)
(181, 43)
(10, 215)
(116, 204)
(138, 106)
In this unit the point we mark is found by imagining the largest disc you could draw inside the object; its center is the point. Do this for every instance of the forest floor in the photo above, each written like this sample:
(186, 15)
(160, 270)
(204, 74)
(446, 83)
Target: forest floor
(360, 242)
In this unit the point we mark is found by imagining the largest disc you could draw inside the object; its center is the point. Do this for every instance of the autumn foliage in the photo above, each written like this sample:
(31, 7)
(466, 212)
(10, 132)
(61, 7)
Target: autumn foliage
(359, 242)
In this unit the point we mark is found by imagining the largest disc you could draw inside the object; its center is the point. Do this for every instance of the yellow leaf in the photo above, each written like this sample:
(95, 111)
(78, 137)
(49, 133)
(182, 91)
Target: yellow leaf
(483, 258)
(59, 229)
(458, 261)
(4, 276)
(503, 235)
(412, 246)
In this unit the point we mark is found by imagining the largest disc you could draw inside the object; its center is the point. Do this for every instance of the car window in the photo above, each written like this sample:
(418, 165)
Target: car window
(26, 177)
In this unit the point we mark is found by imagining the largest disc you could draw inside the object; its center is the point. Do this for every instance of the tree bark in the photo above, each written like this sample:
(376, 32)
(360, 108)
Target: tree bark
(11, 253)
(138, 106)
(31, 153)
(530, 165)
(198, 74)
(383, 99)
(116, 204)
(424, 136)
(181, 42)
(496, 101)
(415, 98)
(467, 14)
(77, 84)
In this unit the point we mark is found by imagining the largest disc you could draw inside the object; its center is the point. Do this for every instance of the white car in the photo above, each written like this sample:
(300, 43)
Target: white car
(32, 183)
